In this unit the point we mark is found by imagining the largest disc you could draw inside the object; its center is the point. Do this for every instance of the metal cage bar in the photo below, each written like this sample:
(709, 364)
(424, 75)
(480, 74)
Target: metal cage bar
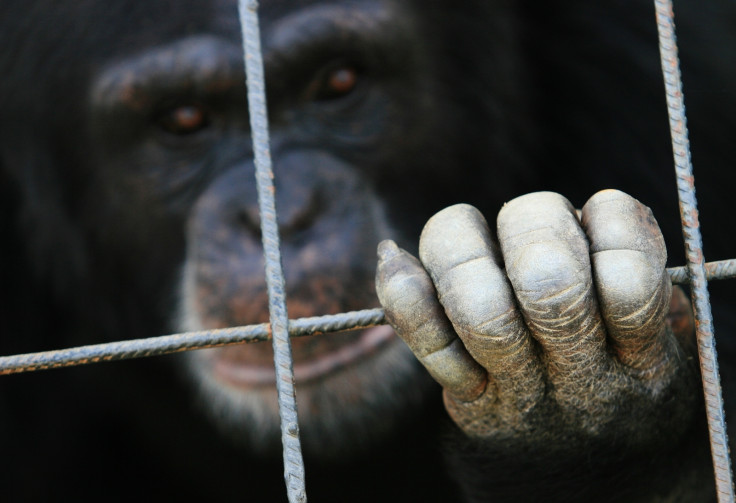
(694, 252)
(280, 328)
(188, 341)
(255, 84)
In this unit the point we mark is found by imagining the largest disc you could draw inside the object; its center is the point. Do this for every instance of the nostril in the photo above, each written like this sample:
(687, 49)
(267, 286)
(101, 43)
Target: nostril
(293, 218)
(249, 219)
(303, 217)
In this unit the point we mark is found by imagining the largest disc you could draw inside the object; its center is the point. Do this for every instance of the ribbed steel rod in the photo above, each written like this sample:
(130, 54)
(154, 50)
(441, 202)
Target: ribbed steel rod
(175, 343)
(720, 269)
(694, 252)
(255, 83)
(155, 346)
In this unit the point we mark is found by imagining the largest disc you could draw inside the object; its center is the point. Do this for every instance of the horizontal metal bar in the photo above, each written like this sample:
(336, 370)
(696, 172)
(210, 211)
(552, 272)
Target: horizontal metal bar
(153, 346)
(720, 269)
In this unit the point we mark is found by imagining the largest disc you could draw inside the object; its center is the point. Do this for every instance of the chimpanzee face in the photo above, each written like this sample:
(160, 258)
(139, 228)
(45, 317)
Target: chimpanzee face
(345, 93)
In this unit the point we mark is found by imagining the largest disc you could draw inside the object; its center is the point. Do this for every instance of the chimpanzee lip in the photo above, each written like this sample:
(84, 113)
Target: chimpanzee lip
(364, 344)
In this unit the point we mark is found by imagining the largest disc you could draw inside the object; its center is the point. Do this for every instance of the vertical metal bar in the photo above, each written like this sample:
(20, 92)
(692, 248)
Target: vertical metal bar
(293, 463)
(694, 251)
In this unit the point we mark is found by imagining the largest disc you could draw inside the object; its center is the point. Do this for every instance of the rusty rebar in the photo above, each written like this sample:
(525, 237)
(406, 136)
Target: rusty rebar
(176, 343)
(694, 252)
(255, 84)
(720, 269)
(188, 341)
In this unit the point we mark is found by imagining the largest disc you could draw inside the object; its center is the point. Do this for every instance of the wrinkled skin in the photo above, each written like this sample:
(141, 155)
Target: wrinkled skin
(128, 209)
(553, 332)
(546, 333)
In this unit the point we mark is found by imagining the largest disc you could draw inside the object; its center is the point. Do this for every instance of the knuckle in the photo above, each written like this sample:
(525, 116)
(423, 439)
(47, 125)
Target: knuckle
(629, 285)
(474, 292)
(546, 275)
(455, 235)
(614, 220)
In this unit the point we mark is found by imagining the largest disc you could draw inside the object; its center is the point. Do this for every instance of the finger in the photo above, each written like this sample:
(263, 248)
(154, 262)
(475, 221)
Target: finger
(412, 308)
(629, 257)
(457, 250)
(546, 255)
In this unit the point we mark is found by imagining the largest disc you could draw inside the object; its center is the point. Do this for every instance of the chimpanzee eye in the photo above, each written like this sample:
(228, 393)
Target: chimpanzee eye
(335, 82)
(185, 119)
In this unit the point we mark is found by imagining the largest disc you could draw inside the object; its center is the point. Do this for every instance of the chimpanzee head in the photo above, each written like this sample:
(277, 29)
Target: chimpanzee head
(142, 164)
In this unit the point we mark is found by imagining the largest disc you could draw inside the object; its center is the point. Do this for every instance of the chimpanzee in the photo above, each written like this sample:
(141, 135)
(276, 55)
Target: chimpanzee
(129, 210)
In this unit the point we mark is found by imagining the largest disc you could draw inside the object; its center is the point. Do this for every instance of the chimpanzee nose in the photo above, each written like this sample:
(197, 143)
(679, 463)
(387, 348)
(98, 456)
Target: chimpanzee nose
(299, 203)
(297, 210)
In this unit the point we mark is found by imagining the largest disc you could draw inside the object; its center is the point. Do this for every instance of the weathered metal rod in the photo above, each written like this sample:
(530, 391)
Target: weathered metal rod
(153, 346)
(694, 252)
(283, 363)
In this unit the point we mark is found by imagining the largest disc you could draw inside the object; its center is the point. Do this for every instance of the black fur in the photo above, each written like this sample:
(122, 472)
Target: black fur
(522, 96)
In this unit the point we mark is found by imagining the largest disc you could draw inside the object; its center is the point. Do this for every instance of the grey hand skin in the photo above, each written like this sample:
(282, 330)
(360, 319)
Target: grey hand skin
(550, 332)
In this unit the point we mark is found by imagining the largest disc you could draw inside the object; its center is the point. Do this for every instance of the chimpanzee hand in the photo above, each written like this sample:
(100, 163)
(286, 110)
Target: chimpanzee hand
(556, 333)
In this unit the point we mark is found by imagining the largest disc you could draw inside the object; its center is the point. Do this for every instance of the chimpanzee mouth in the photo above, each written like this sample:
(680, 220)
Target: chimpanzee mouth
(315, 357)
